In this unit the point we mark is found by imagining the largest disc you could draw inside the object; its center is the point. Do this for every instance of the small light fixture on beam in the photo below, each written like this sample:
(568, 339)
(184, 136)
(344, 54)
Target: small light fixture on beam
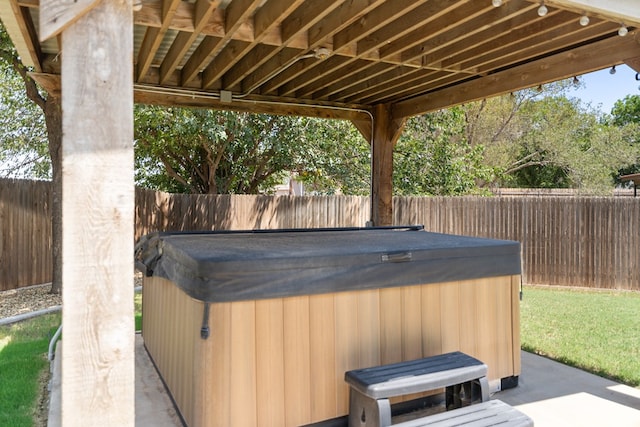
(584, 20)
(612, 71)
(496, 3)
(576, 81)
(321, 53)
(539, 89)
(623, 31)
(542, 10)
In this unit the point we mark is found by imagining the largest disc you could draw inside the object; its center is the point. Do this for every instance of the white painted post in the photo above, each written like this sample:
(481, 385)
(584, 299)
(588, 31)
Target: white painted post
(98, 214)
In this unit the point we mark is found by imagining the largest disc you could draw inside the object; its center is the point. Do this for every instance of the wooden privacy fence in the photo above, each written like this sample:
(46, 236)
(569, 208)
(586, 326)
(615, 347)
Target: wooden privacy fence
(590, 242)
(571, 241)
(25, 233)
(156, 211)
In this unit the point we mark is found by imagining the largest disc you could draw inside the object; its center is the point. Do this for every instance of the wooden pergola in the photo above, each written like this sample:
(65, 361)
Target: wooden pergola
(374, 62)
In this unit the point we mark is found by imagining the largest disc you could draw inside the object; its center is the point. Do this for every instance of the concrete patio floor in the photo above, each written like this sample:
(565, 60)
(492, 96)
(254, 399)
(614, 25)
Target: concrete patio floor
(552, 394)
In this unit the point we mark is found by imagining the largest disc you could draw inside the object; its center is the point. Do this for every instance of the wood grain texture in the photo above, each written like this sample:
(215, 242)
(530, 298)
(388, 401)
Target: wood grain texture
(56, 15)
(297, 360)
(25, 233)
(270, 367)
(282, 361)
(98, 211)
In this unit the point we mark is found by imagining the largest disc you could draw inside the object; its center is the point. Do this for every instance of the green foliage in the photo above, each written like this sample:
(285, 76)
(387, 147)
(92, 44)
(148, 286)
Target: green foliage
(23, 358)
(626, 110)
(200, 151)
(215, 152)
(433, 157)
(626, 116)
(595, 331)
(137, 304)
(338, 159)
(546, 140)
(23, 136)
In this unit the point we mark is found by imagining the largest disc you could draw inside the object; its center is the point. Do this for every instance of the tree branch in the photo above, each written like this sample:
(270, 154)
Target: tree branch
(30, 85)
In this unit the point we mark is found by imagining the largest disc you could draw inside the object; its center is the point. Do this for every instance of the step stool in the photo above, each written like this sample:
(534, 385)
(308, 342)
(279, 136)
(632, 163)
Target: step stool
(371, 388)
(485, 414)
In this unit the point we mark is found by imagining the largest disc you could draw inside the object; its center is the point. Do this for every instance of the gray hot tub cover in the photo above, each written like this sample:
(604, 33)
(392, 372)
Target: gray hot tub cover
(247, 265)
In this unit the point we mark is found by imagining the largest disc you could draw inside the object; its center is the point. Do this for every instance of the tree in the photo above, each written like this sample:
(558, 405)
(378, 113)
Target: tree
(338, 160)
(221, 152)
(214, 152)
(51, 107)
(626, 110)
(24, 149)
(434, 157)
(626, 116)
(547, 140)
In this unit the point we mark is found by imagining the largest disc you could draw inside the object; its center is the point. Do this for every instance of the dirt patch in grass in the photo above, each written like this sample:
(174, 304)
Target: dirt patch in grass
(41, 413)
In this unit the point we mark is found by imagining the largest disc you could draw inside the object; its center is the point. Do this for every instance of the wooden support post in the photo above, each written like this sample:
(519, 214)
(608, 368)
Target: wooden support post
(97, 211)
(386, 132)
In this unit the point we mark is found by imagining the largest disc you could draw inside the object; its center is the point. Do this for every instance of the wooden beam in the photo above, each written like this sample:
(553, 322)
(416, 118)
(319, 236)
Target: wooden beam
(343, 41)
(49, 82)
(625, 11)
(156, 96)
(438, 46)
(17, 23)
(365, 127)
(319, 77)
(56, 15)
(265, 20)
(595, 56)
(154, 37)
(98, 213)
(189, 16)
(386, 132)
(297, 23)
(439, 25)
(373, 21)
(417, 19)
(236, 13)
(341, 18)
(633, 63)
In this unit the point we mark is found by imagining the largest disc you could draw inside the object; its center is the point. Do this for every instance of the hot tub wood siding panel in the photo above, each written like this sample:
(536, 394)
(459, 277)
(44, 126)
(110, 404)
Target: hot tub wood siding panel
(171, 329)
(282, 361)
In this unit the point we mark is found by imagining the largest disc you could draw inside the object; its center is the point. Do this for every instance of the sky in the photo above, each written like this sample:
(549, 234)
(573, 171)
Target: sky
(603, 89)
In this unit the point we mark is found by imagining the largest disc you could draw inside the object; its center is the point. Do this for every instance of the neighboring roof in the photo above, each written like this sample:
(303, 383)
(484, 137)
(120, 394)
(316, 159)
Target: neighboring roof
(416, 55)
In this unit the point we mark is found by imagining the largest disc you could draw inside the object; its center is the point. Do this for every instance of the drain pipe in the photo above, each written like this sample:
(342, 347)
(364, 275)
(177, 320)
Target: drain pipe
(56, 336)
(25, 316)
(53, 342)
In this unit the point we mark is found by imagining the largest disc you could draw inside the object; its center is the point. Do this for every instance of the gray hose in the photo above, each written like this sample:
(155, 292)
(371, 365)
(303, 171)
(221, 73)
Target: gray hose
(25, 316)
(53, 342)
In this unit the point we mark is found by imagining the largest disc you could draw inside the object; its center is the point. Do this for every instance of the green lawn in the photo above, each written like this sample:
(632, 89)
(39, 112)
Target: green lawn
(138, 310)
(23, 359)
(595, 331)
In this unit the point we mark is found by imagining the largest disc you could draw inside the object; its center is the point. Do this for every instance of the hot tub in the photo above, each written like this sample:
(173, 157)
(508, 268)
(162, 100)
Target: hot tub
(258, 327)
